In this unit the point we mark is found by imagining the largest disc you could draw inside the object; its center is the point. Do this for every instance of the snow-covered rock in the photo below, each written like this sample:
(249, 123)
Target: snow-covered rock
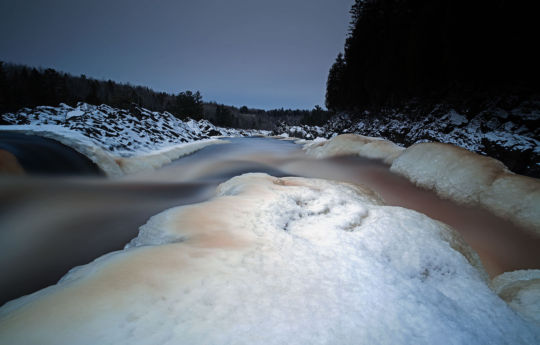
(276, 261)
(512, 137)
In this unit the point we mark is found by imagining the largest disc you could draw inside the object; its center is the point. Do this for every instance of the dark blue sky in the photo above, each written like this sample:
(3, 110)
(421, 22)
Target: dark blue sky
(264, 54)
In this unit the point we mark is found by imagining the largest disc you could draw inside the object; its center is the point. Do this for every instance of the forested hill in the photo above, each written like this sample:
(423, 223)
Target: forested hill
(458, 52)
(23, 86)
(27, 87)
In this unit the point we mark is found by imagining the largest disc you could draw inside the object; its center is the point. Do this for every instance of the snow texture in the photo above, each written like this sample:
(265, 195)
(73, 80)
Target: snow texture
(276, 261)
(520, 289)
(119, 141)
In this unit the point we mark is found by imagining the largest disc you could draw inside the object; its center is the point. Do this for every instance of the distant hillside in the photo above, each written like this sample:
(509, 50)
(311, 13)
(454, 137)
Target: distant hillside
(23, 86)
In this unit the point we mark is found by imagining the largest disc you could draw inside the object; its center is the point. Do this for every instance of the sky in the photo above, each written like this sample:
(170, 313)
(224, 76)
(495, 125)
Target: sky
(262, 54)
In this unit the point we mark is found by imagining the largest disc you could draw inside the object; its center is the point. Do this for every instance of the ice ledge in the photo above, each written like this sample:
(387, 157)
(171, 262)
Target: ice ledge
(452, 172)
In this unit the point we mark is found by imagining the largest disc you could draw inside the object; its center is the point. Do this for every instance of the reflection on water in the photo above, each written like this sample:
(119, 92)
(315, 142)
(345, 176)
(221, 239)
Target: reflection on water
(49, 225)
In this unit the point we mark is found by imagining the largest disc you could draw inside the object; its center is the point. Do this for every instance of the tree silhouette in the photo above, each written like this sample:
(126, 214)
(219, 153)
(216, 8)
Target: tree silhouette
(453, 51)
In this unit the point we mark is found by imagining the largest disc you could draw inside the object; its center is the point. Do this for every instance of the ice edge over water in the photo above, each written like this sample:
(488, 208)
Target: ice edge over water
(274, 261)
(113, 164)
(452, 172)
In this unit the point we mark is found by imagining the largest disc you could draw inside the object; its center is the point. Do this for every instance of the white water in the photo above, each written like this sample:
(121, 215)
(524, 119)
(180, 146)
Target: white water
(266, 261)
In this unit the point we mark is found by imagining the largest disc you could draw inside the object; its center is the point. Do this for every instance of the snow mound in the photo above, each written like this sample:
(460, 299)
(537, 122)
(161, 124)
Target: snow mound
(469, 178)
(346, 144)
(521, 290)
(117, 140)
(275, 261)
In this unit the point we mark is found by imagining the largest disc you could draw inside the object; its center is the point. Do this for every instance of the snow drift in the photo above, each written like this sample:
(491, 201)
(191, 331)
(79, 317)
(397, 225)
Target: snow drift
(274, 261)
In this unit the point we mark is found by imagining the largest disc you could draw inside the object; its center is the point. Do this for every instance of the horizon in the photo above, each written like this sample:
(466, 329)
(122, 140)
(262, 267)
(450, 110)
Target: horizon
(269, 56)
(43, 68)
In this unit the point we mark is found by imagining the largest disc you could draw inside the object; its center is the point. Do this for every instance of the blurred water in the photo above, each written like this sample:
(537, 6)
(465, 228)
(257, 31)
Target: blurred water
(51, 224)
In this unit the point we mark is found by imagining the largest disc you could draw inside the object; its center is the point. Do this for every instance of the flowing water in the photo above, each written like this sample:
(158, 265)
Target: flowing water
(51, 224)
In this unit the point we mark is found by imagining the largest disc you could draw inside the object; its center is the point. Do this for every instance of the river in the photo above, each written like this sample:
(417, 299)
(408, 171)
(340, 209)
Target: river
(50, 224)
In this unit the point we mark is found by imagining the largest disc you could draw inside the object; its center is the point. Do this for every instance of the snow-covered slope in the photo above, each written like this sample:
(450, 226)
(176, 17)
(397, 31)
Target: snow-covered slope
(511, 136)
(276, 261)
(117, 140)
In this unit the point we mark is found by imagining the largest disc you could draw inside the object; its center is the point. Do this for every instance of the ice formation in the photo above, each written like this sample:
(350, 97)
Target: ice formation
(375, 148)
(451, 171)
(469, 178)
(276, 261)
(520, 289)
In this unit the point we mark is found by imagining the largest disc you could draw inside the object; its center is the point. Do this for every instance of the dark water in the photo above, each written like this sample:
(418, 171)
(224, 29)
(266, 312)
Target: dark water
(38, 155)
(51, 224)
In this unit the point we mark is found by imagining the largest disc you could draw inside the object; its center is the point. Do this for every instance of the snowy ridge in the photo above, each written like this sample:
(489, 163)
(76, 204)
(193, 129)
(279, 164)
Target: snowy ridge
(451, 171)
(276, 261)
(119, 141)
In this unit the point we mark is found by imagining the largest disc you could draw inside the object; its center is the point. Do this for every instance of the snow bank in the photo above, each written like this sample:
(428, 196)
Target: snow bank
(521, 290)
(375, 148)
(122, 132)
(117, 140)
(275, 261)
(472, 179)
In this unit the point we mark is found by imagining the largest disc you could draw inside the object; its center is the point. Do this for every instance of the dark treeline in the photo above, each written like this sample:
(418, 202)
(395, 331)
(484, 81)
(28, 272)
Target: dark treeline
(22, 86)
(244, 117)
(451, 51)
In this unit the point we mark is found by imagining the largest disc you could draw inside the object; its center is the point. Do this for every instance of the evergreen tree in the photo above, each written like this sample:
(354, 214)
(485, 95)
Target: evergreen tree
(189, 104)
(335, 97)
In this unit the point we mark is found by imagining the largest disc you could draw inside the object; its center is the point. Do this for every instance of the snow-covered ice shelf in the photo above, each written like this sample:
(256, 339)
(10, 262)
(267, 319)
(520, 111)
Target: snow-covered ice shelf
(276, 261)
